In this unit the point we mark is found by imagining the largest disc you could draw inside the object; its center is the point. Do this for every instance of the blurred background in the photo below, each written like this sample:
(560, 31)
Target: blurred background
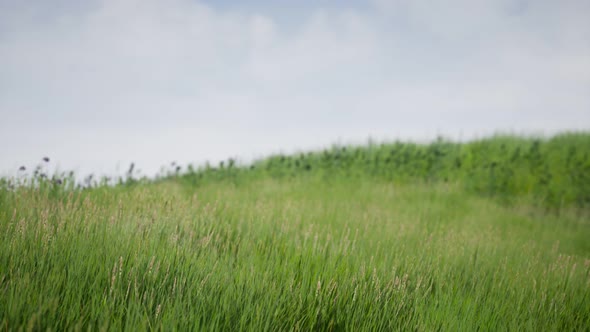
(96, 85)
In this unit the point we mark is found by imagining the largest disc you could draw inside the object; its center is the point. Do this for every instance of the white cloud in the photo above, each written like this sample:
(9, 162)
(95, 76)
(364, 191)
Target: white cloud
(152, 81)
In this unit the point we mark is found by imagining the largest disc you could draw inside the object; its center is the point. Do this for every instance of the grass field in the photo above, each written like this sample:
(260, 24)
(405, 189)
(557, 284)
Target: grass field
(444, 236)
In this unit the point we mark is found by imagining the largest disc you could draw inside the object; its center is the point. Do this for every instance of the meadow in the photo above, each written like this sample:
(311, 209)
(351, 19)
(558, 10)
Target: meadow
(492, 234)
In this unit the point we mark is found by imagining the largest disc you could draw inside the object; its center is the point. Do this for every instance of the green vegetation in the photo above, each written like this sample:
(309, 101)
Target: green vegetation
(550, 173)
(489, 235)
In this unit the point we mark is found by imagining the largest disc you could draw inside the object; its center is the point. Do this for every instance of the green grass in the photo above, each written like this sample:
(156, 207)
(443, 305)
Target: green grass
(288, 248)
(551, 172)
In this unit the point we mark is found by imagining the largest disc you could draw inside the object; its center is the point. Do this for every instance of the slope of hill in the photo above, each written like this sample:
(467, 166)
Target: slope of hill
(487, 235)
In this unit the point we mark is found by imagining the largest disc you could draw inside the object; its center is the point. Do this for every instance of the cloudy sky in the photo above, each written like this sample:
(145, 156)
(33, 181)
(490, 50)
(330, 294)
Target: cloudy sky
(98, 84)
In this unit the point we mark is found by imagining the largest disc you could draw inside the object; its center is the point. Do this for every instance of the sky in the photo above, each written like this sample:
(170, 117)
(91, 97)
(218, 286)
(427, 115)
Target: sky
(96, 85)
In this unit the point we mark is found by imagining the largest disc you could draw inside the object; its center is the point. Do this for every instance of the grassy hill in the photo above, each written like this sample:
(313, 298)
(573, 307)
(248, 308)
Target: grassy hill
(550, 172)
(491, 234)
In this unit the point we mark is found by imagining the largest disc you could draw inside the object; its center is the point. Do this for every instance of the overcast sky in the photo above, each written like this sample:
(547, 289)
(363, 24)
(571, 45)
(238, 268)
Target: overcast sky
(97, 84)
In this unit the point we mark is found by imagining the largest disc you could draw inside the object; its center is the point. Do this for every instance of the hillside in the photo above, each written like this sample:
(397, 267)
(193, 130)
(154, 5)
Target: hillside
(490, 234)
(552, 173)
